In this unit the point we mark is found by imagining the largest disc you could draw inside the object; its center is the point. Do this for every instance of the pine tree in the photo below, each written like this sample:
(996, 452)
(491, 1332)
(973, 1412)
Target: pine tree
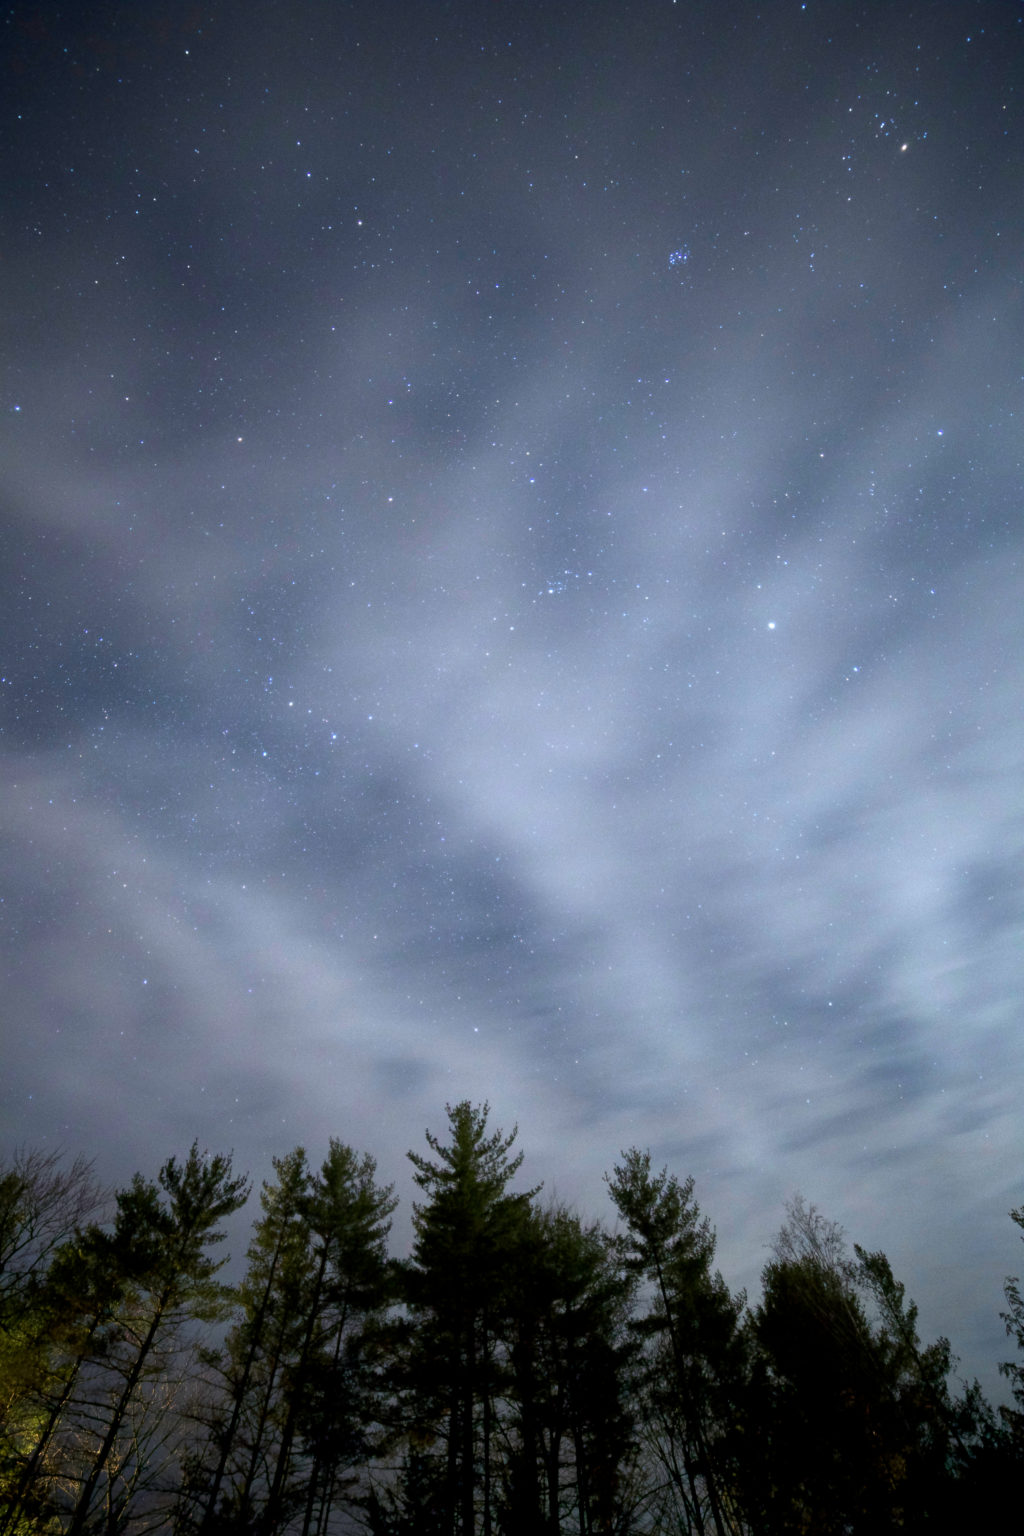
(329, 1404)
(72, 1323)
(159, 1248)
(1013, 1370)
(569, 1435)
(296, 1403)
(952, 1445)
(696, 1344)
(456, 1288)
(223, 1477)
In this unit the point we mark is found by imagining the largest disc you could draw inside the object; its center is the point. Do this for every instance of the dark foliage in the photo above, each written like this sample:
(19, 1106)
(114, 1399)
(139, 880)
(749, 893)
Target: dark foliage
(523, 1373)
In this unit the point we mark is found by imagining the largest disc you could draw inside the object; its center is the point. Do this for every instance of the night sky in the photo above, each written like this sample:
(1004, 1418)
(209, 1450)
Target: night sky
(512, 590)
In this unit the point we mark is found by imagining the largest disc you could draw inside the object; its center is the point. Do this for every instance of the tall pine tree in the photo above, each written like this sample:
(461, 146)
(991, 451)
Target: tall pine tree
(466, 1232)
(160, 1249)
(695, 1344)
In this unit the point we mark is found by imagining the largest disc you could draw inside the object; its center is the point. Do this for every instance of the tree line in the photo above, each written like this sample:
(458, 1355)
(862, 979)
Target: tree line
(524, 1372)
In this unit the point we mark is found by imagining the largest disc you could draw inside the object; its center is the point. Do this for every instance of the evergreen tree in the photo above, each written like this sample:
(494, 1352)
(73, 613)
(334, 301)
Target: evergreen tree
(1013, 1370)
(296, 1404)
(568, 1438)
(696, 1346)
(73, 1323)
(456, 1287)
(330, 1398)
(542, 1377)
(223, 1480)
(955, 1459)
(159, 1249)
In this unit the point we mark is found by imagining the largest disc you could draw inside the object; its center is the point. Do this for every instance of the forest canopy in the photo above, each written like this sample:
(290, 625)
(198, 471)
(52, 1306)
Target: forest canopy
(521, 1370)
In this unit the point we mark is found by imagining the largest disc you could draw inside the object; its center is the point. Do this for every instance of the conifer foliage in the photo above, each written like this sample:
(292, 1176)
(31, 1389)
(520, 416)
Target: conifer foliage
(522, 1373)
(468, 1229)
(292, 1391)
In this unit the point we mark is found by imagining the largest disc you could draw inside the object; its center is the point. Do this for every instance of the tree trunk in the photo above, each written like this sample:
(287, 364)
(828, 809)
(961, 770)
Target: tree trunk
(134, 1376)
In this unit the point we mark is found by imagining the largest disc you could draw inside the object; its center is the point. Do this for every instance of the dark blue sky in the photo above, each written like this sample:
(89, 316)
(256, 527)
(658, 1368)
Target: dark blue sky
(512, 590)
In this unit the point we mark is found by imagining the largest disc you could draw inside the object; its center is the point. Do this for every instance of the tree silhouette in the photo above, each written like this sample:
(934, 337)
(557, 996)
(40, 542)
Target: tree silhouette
(693, 1325)
(465, 1234)
(159, 1248)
